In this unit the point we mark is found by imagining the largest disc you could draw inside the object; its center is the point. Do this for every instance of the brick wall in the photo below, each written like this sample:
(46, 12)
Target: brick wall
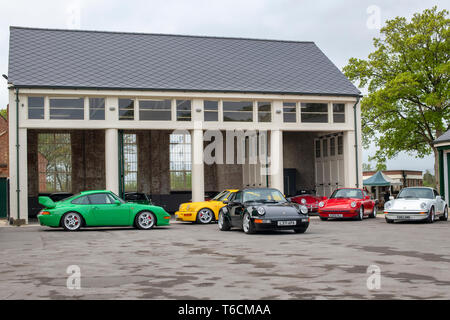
(4, 148)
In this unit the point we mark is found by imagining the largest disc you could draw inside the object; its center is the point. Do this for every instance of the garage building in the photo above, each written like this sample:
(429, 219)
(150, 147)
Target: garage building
(136, 112)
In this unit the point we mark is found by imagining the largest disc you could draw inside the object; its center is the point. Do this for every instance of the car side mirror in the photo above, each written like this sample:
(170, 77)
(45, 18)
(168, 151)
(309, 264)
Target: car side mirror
(391, 198)
(226, 202)
(117, 202)
(367, 197)
(438, 197)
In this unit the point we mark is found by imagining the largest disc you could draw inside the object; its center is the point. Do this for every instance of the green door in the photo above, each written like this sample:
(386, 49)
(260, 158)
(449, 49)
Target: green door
(3, 197)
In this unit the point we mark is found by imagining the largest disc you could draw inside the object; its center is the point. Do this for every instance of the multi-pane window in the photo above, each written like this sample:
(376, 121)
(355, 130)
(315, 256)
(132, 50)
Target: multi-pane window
(96, 108)
(325, 148)
(130, 161)
(338, 112)
(289, 112)
(314, 112)
(180, 162)
(241, 111)
(126, 109)
(35, 107)
(340, 141)
(183, 110)
(67, 108)
(54, 162)
(264, 112)
(317, 148)
(155, 110)
(332, 147)
(211, 110)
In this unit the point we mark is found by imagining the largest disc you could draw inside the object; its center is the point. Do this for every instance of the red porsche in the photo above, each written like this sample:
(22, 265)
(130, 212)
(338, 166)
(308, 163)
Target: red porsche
(309, 200)
(348, 203)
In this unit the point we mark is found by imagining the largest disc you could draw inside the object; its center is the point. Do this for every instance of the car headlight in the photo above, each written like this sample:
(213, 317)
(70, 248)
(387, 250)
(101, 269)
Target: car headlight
(321, 204)
(303, 209)
(303, 201)
(388, 205)
(353, 204)
(423, 205)
(261, 211)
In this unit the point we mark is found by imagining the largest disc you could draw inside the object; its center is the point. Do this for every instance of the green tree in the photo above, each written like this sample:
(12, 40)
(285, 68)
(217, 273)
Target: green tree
(4, 113)
(367, 167)
(407, 78)
(428, 179)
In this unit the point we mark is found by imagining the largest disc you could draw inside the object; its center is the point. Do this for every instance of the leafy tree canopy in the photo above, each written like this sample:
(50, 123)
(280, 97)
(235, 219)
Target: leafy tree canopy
(407, 77)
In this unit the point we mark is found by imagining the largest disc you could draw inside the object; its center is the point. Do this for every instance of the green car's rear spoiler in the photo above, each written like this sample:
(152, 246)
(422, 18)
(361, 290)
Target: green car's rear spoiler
(47, 202)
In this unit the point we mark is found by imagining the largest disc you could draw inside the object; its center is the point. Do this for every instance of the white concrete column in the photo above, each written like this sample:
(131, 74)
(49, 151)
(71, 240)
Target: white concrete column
(112, 160)
(198, 175)
(276, 160)
(349, 159)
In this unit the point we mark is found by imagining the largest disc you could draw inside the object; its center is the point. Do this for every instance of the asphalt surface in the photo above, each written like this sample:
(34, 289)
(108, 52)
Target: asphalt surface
(187, 261)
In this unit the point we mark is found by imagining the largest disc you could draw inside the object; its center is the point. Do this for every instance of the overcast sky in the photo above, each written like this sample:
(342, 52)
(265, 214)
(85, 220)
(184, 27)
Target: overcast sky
(342, 29)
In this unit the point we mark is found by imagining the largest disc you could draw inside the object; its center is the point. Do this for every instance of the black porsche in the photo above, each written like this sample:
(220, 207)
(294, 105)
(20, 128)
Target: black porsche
(262, 209)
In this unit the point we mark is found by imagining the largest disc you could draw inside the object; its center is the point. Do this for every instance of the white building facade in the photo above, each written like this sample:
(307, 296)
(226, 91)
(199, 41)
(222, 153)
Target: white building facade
(313, 137)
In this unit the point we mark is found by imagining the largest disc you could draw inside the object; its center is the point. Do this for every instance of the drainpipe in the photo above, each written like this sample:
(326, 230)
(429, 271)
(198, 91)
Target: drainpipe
(356, 141)
(17, 154)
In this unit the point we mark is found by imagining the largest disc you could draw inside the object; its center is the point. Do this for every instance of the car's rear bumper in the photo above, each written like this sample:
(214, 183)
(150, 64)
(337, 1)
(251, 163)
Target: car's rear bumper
(185, 216)
(406, 216)
(49, 220)
(344, 214)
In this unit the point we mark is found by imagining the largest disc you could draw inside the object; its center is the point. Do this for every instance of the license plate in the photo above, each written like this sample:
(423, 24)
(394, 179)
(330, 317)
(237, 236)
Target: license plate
(287, 223)
(403, 217)
(335, 215)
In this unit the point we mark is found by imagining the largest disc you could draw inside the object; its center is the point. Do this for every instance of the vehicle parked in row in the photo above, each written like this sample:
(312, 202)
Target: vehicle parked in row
(99, 208)
(348, 203)
(310, 200)
(255, 210)
(137, 197)
(203, 212)
(416, 204)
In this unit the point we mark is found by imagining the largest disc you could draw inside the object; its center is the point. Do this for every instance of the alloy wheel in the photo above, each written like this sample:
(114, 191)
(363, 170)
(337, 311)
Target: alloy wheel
(246, 223)
(205, 216)
(72, 221)
(146, 220)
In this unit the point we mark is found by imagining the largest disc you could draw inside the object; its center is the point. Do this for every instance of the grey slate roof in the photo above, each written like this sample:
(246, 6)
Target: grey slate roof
(113, 60)
(443, 138)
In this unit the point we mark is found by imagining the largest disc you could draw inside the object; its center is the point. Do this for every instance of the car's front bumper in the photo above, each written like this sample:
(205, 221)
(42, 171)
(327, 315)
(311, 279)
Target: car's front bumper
(185, 216)
(340, 214)
(272, 223)
(406, 216)
(49, 220)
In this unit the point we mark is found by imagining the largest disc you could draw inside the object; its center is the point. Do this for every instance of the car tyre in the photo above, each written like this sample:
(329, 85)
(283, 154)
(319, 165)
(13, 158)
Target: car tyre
(71, 221)
(389, 220)
(373, 214)
(360, 216)
(431, 215)
(247, 224)
(145, 220)
(224, 224)
(205, 216)
(444, 217)
(323, 218)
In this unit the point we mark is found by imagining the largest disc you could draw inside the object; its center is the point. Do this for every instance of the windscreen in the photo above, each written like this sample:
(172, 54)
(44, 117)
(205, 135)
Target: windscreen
(263, 195)
(416, 193)
(347, 193)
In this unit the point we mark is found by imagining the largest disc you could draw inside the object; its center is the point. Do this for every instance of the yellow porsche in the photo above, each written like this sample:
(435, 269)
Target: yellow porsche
(203, 212)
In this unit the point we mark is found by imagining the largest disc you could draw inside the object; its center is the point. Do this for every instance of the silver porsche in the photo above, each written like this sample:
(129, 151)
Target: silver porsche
(416, 203)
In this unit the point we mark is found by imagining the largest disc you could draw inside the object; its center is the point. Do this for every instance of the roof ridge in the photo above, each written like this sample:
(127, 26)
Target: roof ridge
(160, 34)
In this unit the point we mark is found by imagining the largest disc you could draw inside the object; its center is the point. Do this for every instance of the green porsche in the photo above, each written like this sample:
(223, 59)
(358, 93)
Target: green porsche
(99, 208)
